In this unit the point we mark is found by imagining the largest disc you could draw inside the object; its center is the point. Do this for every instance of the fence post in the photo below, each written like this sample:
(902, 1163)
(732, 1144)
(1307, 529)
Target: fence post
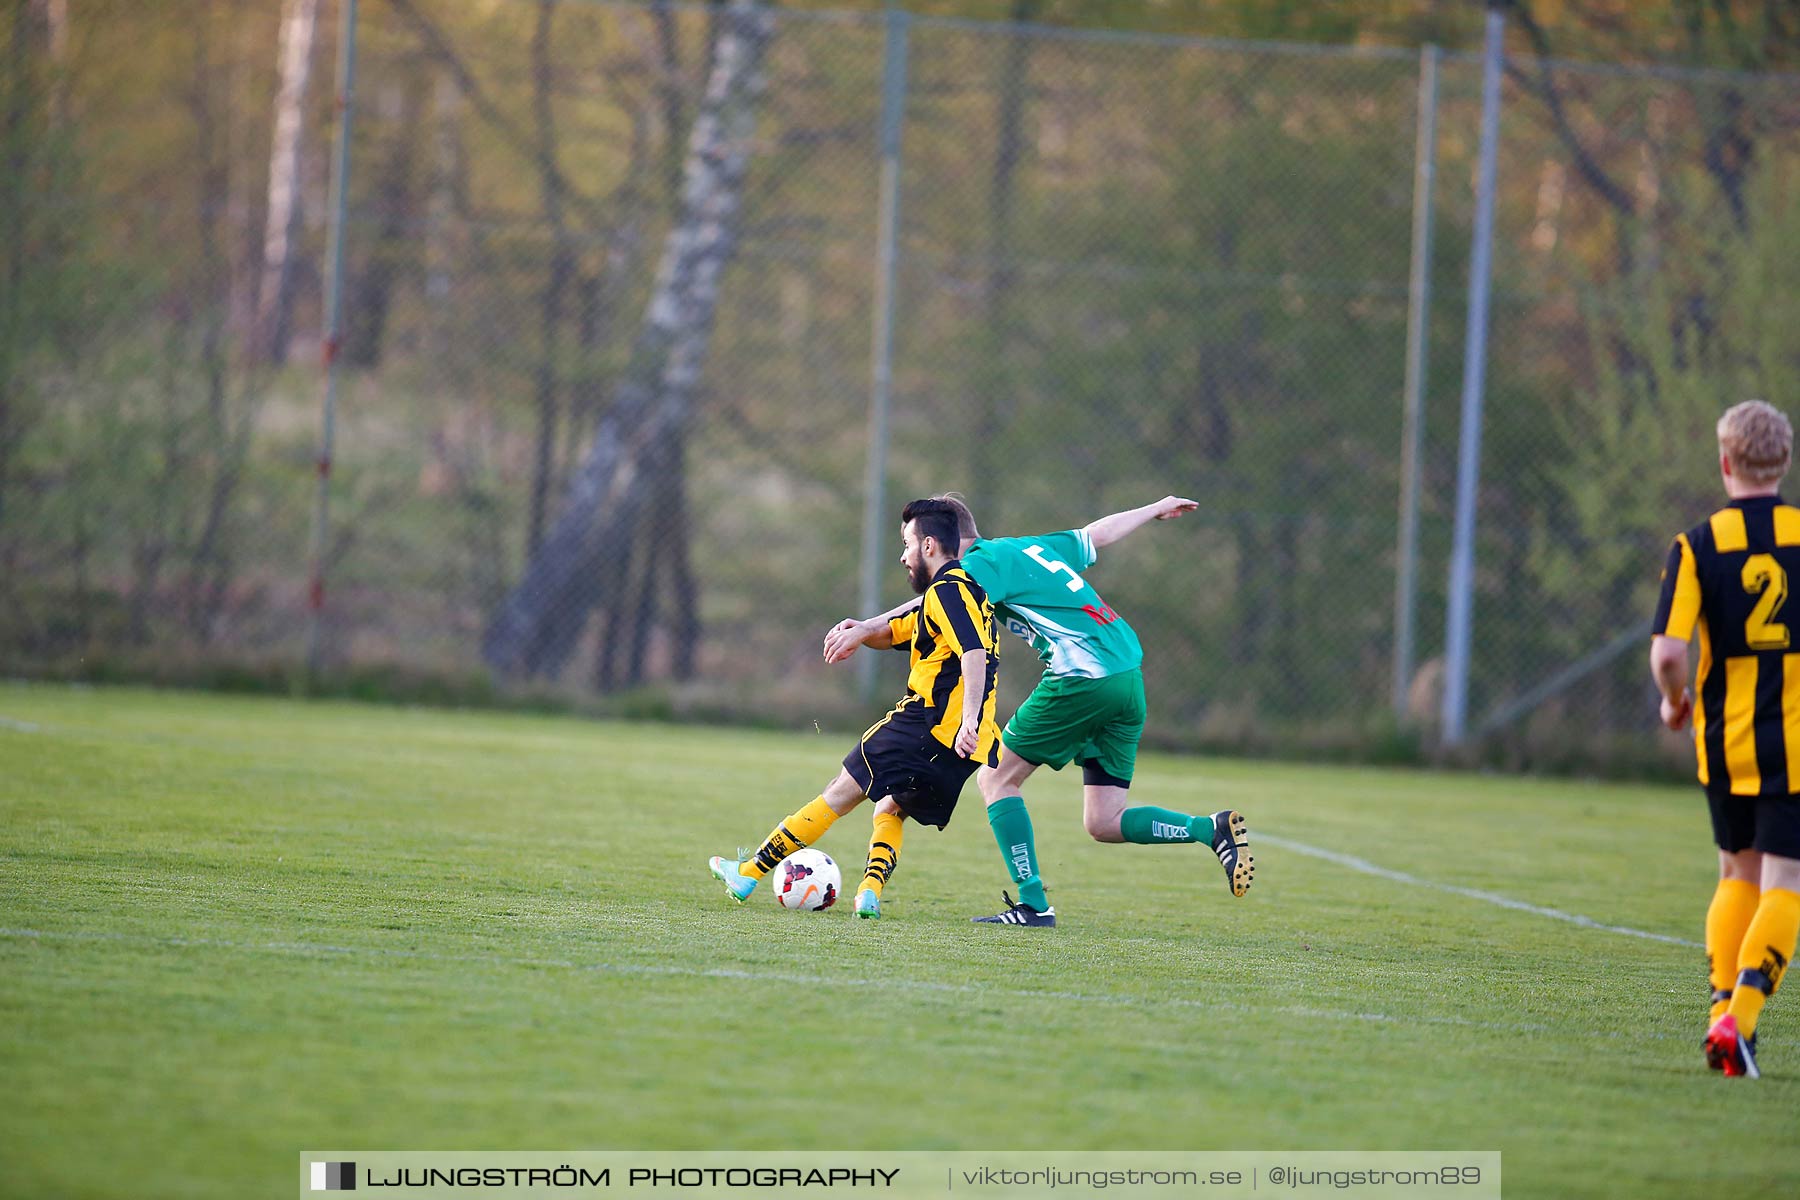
(1461, 598)
(875, 533)
(334, 311)
(1418, 311)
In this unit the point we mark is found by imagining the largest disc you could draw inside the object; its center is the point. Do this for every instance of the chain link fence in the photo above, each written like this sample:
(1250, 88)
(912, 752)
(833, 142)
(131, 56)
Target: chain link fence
(613, 302)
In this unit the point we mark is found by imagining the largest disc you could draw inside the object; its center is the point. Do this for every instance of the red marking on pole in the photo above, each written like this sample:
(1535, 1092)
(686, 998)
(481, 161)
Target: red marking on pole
(315, 593)
(324, 466)
(328, 349)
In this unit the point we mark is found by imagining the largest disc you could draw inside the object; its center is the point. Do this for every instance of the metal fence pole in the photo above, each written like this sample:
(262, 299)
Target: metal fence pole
(876, 533)
(1461, 599)
(1418, 311)
(334, 311)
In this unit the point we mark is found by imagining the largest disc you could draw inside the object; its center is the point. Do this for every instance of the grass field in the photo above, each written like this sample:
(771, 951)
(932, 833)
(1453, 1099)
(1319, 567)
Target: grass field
(235, 929)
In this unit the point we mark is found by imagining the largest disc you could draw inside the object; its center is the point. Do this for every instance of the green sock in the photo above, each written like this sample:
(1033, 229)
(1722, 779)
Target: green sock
(1012, 832)
(1149, 826)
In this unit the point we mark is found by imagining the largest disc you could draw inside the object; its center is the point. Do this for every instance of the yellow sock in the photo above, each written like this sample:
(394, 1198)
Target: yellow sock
(884, 850)
(1733, 904)
(800, 829)
(1768, 945)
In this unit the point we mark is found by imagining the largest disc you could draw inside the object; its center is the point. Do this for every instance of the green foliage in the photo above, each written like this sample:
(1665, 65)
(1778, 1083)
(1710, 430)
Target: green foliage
(1702, 321)
(1126, 266)
(1203, 306)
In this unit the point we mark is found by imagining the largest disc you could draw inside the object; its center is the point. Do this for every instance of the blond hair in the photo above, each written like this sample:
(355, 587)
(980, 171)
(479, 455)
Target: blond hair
(1757, 440)
(965, 520)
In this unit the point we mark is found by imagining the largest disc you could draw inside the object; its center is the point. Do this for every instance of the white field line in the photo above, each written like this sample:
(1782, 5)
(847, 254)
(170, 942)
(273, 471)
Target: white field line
(1537, 910)
(18, 726)
(930, 987)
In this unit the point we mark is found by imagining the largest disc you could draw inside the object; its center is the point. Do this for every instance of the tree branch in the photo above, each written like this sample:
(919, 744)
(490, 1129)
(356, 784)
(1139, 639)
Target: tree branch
(1544, 86)
(438, 46)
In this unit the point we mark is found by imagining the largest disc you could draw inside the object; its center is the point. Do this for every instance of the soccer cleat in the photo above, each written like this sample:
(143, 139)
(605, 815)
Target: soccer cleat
(740, 885)
(1019, 914)
(1729, 1051)
(868, 905)
(1232, 844)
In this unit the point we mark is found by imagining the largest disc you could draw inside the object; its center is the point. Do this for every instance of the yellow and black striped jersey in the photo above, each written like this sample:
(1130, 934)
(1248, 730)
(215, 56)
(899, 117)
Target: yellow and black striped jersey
(953, 618)
(1729, 575)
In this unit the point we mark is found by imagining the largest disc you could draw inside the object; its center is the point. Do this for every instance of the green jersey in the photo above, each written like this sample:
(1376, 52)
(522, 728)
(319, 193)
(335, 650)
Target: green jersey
(1037, 591)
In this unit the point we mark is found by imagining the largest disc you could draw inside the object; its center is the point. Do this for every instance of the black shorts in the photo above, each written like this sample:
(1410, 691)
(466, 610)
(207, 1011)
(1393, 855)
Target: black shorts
(900, 759)
(1767, 823)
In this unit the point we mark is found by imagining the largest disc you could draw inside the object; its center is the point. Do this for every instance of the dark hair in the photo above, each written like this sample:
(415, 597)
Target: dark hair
(936, 519)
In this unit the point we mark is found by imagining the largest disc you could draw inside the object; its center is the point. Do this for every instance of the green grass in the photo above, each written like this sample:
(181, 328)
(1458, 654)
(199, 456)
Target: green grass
(235, 929)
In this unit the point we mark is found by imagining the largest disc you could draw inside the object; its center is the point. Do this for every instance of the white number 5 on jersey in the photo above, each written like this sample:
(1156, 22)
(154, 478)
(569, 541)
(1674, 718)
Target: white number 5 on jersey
(1053, 565)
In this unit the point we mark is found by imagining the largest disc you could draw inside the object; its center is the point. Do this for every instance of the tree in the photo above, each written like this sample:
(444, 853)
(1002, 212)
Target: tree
(299, 27)
(229, 420)
(400, 104)
(16, 146)
(660, 553)
(556, 279)
(537, 626)
(1638, 459)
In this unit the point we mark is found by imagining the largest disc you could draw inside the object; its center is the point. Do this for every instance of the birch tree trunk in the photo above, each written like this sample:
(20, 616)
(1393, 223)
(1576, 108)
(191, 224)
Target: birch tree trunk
(538, 625)
(299, 31)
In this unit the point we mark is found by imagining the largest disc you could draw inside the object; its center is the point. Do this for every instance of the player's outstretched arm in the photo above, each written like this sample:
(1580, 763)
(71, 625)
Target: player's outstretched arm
(899, 610)
(1108, 530)
(842, 639)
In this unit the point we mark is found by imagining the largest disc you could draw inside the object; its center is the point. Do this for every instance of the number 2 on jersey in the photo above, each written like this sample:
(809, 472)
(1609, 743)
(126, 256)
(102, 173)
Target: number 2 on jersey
(1763, 574)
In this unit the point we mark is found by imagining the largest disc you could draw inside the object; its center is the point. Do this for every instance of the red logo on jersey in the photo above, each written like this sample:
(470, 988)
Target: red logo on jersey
(1104, 614)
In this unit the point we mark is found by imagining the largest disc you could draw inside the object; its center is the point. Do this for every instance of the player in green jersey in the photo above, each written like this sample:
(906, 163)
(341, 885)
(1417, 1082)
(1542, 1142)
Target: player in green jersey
(1087, 708)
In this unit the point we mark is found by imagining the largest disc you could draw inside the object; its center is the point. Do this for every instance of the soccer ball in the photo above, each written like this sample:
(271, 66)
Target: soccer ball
(807, 881)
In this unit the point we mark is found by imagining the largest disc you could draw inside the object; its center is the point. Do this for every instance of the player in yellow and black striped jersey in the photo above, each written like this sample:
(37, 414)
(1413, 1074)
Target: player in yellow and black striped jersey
(953, 619)
(916, 759)
(1729, 577)
(1734, 567)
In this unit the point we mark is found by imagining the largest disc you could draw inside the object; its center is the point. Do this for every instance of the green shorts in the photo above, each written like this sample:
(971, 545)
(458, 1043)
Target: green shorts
(1096, 722)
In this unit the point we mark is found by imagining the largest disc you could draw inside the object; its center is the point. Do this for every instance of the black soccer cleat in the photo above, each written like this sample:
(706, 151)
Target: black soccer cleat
(1019, 914)
(1231, 843)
